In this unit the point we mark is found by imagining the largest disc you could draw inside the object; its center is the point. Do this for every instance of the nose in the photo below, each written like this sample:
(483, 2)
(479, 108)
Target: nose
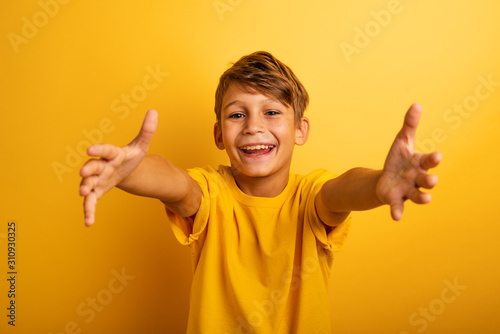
(253, 124)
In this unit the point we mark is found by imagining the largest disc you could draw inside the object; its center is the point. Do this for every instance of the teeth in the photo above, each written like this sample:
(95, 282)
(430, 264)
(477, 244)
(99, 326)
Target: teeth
(256, 147)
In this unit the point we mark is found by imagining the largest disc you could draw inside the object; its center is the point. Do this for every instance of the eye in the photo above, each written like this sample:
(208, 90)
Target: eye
(236, 115)
(272, 112)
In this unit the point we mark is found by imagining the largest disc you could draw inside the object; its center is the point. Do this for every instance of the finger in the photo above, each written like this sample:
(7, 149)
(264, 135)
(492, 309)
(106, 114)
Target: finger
(397, 208)
(427, 181)
(410, 123)
(430, 160)
(147, 131)
(105, 151)
(418, 197)
(92, 167)
(88, 185)
(89, 204)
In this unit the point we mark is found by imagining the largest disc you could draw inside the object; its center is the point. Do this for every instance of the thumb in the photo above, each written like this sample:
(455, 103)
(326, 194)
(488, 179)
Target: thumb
(410, 123)
(147, 131)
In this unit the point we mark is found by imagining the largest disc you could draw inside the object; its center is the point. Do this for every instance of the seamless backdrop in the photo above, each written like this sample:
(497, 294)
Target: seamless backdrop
(74, 73)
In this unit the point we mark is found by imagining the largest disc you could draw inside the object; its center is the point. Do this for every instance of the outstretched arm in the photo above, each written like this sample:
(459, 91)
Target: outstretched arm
(129, 168)
(405, 172)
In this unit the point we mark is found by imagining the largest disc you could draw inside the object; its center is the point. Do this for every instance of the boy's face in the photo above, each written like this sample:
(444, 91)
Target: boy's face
(258, 133)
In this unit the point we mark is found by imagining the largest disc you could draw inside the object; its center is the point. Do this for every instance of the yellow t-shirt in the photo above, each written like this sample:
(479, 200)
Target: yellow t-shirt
(261, 265)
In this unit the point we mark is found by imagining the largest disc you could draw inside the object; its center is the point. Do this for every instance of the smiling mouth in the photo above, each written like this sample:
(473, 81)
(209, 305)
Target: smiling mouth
(257, 149)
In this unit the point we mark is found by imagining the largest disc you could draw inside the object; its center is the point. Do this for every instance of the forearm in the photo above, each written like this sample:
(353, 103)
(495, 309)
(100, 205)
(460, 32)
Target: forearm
(157, 177)
(355, 190)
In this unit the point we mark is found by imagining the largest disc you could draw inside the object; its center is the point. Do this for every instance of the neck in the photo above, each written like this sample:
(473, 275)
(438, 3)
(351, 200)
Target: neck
(265, 186)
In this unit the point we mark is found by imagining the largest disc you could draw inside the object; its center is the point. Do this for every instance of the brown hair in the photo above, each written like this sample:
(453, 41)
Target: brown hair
(263, 73)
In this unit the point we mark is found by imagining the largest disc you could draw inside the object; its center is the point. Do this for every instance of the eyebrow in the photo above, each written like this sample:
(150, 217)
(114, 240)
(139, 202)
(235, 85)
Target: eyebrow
(231, 103)
(262, 102)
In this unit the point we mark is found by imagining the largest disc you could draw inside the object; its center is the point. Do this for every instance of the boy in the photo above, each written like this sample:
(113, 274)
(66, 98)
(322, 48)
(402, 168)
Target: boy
(262, 239)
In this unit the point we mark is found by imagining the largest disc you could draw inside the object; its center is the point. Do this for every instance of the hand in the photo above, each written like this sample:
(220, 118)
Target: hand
(115, 164)
(405, 171)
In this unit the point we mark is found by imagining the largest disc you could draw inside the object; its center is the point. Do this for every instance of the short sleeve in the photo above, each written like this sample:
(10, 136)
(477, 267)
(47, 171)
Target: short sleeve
(189, 231)
(330, 238)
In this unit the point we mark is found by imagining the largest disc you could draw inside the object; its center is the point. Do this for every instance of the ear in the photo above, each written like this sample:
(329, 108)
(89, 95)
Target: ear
(218, 136)
(302, 132)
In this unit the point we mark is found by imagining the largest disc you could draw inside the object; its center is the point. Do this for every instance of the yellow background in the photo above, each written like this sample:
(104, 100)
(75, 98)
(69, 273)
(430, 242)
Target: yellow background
(66, 76)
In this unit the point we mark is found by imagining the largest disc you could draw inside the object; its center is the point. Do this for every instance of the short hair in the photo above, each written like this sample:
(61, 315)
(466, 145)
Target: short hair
(261, 72)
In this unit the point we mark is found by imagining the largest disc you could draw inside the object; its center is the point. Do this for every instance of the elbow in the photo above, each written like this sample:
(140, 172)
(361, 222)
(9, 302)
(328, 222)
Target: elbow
(188, 203)
(327, 215)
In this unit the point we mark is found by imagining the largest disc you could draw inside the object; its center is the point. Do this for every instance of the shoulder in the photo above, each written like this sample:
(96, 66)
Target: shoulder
(309, 185)
(210, 179)
(207, 172)
(317, 177)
